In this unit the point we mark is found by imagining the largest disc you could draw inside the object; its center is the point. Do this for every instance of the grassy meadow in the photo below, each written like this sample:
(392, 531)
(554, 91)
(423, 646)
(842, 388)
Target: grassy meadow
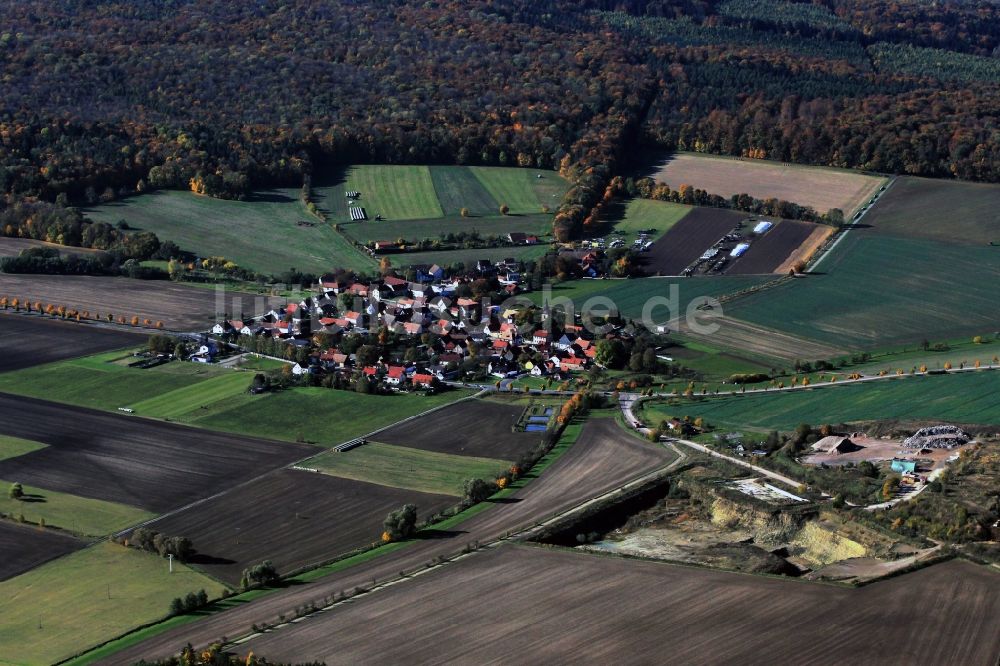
(643, 214)
(100, 382)
(412, 469)
(215, 398)
(86, 598)
(264, 233)
(80, 515)
(12, 447)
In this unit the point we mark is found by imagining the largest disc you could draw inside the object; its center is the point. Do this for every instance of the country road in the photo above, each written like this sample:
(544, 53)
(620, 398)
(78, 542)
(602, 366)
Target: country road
(627, 400)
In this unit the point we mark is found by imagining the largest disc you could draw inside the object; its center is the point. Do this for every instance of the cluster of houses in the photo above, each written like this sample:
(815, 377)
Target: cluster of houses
(453, 332)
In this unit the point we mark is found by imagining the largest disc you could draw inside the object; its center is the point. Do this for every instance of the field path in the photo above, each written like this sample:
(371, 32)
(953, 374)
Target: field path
(603, 458)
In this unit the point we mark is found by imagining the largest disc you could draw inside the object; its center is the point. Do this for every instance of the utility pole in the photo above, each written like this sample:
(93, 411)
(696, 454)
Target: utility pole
(170, 562)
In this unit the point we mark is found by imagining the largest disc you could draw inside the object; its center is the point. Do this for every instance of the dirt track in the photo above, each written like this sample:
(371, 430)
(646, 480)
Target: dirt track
(556, 606)
(28, 340)
(603, 458)
(177, 306)
(149, 464)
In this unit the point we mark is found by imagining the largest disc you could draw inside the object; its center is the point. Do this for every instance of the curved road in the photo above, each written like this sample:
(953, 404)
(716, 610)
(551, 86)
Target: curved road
(627, 400)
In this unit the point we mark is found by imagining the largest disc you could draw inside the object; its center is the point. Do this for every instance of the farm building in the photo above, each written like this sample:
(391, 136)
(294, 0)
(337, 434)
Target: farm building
(835, 444)
(763, 227)
(739, 250)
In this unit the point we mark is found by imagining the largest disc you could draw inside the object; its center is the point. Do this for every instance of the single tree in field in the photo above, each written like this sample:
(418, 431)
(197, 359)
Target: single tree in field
(504, 209)
(16, 491)
(385, 266)
(401, 523)
(464, 212)
(478, 490)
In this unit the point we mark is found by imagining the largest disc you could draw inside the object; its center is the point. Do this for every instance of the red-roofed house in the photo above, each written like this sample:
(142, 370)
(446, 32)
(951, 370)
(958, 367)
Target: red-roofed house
(395, 374)
(421, 379)
(540, 338)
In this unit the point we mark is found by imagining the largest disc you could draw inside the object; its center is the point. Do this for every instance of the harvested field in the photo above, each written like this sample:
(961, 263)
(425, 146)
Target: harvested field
(147, 464)
(297, 519)
(689, 238)
(11, 247)
(480, 428)
(177, 306)
(819, 187)
(24, 547)
(26, 340)
(773, 249)
(550, 602)
(604, 457)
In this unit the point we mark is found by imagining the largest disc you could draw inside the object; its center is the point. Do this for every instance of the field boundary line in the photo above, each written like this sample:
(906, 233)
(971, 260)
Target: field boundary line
(292, 465)
(854, 221)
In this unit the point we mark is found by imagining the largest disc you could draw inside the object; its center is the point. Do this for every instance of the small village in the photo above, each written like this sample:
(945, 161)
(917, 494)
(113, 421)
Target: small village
(438, 329)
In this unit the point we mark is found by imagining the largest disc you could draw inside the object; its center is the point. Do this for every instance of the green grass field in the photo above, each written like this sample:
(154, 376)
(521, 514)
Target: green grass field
(393, 191)
(322, 416)
(644, 214)
(262, 233)
(962, 398)
(61, 608)
(415, 230)
(98, 382)
(403, 467)
(12, 447)
(521, 189)
(457, 188)
(469, 257)
(80, 515)
(941, 210)
(184, 401)
(879, 291)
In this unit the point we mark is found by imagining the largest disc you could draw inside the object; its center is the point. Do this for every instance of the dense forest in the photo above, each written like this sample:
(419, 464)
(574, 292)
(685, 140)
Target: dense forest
(102, 98)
